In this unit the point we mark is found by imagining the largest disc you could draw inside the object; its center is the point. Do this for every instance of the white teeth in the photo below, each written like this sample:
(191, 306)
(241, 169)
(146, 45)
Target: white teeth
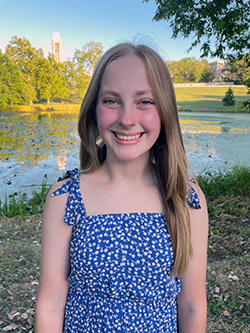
(127, 138)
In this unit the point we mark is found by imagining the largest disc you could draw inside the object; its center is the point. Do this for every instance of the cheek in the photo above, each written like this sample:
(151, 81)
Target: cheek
(152, 121)
(105, 118)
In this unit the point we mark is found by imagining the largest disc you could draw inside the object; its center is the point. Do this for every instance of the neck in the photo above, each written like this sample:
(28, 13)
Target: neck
(128, 172)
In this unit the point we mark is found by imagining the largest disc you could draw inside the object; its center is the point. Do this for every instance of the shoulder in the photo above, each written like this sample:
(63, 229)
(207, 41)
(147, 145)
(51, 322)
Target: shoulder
(65, 197)
(199, 217)
(192, 298)
(55, 191)
(57, 197)
(55, 204)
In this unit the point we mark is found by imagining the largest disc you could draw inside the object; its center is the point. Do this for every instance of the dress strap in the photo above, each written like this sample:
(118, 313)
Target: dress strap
(74, 207)
(192, 197)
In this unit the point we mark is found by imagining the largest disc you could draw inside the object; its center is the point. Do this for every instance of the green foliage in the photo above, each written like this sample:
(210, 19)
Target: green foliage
(11, 85)
(234, 182)
(228, 100)
(81, 67)
(26, 59)
(241, 68)
(51, 81)
(222, 28)
(190, 70)
(34, 77)
(22, 205)
(207, 75)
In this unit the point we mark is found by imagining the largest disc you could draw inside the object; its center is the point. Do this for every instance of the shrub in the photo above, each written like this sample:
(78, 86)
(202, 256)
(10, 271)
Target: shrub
(228, 100)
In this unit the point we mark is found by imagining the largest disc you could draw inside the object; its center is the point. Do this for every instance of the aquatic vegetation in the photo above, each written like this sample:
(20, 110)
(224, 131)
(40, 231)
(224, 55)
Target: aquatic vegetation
(23, 205)
(235, 181)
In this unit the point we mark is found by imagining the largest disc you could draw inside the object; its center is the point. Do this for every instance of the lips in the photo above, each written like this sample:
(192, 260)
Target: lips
(130, 137)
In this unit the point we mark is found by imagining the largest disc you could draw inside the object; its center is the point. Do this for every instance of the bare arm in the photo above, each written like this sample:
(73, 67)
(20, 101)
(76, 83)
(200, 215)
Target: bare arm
(192, 303)
(55, 266)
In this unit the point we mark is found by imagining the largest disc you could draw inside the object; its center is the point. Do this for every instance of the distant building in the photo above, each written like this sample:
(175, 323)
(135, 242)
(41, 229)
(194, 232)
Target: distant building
(220, 73)
(57, 46)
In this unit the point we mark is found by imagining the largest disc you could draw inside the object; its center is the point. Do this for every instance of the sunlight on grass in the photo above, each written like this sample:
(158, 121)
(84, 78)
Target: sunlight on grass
(198, 98)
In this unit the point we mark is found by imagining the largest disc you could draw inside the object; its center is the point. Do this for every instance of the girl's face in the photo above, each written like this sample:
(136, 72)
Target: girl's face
(127, 116)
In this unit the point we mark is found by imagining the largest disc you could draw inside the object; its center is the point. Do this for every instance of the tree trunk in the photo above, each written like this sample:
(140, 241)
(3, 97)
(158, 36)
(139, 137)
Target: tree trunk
(47, 101)
(31, 102)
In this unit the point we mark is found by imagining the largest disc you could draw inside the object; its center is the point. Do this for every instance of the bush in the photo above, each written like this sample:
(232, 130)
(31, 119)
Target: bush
(228, 100)
(233, 182)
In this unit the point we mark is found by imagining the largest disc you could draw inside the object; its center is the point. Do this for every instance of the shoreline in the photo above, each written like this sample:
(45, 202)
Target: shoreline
(76, 107)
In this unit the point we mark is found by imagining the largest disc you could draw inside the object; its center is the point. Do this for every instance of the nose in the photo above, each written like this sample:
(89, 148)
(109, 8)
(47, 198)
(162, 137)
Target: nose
(127, 116)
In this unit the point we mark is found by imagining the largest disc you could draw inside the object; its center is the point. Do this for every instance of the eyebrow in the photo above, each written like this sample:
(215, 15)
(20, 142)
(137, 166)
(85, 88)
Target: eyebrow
(116, 94)
(110, 92)
(143, 92)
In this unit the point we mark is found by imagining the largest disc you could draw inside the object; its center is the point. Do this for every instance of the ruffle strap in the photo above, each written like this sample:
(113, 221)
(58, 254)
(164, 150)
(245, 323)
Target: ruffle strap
(193, 199)
(74, 207)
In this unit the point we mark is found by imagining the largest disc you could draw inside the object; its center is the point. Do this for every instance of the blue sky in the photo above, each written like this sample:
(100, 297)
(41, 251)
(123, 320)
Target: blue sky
(82, 21)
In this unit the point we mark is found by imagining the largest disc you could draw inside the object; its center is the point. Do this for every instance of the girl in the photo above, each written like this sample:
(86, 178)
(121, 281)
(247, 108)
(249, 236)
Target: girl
(124, 239)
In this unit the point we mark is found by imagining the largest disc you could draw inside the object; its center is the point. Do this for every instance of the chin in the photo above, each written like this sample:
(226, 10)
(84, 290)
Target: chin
(132, 157)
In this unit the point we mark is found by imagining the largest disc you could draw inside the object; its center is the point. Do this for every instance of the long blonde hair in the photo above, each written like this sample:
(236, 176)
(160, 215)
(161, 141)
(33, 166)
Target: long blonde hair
(167, 153)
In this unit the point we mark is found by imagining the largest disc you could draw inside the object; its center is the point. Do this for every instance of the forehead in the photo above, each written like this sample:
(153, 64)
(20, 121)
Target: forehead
(127, 70)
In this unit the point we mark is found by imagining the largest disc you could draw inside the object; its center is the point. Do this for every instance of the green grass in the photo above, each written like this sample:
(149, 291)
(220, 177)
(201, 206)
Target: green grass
(209, 98)
(22, 205)
(235, 182)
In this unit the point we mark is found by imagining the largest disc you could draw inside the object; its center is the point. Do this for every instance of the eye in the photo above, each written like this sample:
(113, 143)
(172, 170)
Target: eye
(146, 102)
(109, 101)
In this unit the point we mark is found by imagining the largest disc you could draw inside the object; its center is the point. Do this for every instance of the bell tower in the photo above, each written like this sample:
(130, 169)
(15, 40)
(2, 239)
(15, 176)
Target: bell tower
(57, 46)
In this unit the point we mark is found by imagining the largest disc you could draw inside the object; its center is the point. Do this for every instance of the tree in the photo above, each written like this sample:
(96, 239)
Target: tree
(207, 75)
(82, 65)
(190, 70)
(221, 27)
(240, 68)
(228, 100)
(226, 22)
(51, 81)
(11, 85)
(26, 58)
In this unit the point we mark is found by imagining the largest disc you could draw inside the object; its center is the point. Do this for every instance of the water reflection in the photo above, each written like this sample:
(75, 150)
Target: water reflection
(31, 138)
(38, 143)
(62, 160)
(201, 129)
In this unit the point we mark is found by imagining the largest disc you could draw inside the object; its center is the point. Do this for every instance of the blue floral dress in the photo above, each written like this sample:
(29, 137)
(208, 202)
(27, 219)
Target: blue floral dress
(120, 269)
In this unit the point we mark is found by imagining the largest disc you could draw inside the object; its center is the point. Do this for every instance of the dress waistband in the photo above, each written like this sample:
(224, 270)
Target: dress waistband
(119, 298)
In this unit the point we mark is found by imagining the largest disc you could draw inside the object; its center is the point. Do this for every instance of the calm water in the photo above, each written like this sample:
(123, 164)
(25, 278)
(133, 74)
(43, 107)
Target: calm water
(33, 145)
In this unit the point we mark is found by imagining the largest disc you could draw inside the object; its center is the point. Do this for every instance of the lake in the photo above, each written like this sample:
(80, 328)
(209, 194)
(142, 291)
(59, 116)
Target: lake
(35, 144)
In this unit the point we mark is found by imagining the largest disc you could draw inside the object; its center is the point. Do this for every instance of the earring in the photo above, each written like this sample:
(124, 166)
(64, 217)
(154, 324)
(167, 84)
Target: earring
(99, 141)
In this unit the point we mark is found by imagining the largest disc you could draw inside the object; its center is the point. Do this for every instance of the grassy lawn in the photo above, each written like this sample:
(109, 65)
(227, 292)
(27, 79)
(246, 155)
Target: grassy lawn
(228, 289)
(208, 98)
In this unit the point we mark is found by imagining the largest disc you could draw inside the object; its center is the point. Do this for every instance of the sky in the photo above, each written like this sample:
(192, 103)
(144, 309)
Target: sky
(81, 21)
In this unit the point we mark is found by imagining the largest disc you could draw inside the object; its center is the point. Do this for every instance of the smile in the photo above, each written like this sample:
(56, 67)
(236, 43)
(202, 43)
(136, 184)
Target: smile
(127, 137)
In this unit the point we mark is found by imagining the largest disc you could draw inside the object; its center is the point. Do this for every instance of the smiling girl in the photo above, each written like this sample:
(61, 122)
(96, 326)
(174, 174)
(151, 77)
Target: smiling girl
(124, 239)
